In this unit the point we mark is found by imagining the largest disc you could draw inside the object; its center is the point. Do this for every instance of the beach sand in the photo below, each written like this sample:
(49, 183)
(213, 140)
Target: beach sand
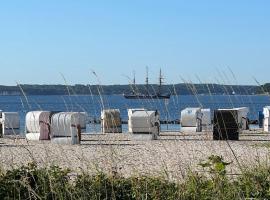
(172, 155)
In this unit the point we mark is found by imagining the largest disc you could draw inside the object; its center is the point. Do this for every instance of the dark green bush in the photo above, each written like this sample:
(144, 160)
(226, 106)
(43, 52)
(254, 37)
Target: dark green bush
(102, 186)
(31, 182)
(255, 183)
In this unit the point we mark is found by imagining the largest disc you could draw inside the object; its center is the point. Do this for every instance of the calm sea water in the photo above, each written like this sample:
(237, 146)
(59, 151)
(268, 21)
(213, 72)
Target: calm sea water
(93, 105)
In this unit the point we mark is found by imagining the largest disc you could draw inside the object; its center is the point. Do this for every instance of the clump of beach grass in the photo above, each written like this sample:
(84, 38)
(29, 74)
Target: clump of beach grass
(31, 182)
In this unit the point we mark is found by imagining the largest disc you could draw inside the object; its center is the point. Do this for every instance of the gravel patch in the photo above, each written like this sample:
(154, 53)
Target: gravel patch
(172, 155)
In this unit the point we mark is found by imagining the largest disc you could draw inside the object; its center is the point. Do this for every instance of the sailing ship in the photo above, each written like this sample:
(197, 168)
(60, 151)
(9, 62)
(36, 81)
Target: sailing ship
(147, 95)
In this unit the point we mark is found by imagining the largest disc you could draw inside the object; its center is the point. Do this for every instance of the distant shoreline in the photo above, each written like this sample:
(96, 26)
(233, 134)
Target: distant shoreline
(122, 95)
(176, 89)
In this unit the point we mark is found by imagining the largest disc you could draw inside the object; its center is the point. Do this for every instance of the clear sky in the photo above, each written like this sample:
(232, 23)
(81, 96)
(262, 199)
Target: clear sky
(39, 40)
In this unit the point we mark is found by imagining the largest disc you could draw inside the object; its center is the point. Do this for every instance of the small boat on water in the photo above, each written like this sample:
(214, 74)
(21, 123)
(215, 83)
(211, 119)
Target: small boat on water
(147, 95)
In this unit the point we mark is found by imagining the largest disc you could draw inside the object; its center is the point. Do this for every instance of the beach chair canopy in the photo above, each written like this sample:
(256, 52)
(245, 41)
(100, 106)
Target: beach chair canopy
(190, 117)
(37, 125)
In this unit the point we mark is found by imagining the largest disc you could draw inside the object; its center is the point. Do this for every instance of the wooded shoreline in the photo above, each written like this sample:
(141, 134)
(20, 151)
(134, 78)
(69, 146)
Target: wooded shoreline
(177, 89)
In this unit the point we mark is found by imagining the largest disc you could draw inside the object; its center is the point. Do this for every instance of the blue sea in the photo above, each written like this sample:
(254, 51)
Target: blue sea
(169, 109)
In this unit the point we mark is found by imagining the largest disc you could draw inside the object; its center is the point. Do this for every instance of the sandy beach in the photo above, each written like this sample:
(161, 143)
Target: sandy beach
(172, 155)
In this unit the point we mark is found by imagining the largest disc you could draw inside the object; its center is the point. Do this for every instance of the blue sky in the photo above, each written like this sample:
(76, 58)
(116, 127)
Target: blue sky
(39, 40)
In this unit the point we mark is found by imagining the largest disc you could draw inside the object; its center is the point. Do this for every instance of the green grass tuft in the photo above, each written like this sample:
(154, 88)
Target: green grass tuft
(31, 182)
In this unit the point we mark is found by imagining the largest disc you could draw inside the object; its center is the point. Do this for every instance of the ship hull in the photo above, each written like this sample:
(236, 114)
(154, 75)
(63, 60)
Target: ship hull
(140, 96)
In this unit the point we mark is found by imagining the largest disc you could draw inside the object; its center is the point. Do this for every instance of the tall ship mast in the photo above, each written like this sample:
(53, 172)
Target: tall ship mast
(134, 78)
(133, 85)
(147, 94)
(147, 81)
(161, 78)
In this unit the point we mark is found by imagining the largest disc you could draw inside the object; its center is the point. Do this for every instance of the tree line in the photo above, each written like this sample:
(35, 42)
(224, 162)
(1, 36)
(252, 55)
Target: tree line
(177, 89)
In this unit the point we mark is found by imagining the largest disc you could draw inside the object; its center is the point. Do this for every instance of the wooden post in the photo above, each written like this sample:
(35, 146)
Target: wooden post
(1, 130)
(79, 133)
